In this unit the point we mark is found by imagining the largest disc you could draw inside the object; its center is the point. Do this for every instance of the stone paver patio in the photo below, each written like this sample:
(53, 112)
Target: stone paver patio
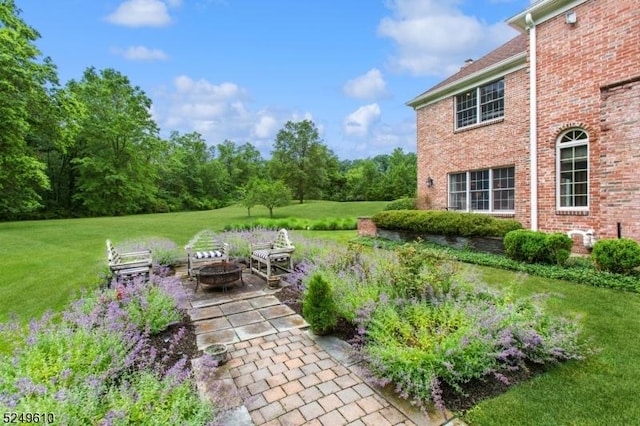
(279, 373)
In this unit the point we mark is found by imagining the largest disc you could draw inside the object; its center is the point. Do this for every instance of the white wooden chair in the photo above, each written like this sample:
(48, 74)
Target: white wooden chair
(128, 265)
(205, 248)
(276, 254)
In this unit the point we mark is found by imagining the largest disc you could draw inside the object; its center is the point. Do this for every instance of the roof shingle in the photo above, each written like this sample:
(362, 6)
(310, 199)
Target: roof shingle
(511, 48)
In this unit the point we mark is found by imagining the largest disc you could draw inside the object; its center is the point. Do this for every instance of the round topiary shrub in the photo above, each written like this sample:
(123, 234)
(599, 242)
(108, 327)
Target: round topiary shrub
(558, 248)
(537, 247)
(318, 306)
(621, 255)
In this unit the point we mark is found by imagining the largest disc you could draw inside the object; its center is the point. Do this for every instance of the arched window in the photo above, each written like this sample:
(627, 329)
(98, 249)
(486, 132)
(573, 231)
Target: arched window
(572, 153)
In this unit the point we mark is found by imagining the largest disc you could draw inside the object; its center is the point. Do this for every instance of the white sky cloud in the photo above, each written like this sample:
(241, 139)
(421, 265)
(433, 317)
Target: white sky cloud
(142, 13)
(141, 53)
(434, 37)
(367, 86)
(218, 112)
(266, 126)
(358, 123)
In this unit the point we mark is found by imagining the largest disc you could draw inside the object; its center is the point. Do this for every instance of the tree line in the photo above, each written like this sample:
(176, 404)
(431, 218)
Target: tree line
(91, 148)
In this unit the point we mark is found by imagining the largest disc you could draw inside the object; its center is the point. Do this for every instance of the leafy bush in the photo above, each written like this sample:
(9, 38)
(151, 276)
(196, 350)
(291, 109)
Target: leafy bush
(537, 247)
(575, 270)
(401, 204)
(445, 223)
(421, 273)
(620, 256)
(417, 346)
(318, 306)
(559, 247)
(329, 224)
(149, 307)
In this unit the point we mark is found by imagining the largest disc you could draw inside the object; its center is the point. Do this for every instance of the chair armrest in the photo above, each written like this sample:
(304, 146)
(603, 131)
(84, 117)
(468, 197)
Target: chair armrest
(260, 246)
(136, 253)
(129, 265)
(282, 250)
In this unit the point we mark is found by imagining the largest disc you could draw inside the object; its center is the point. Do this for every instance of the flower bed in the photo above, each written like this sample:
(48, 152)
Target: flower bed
(422, 327)
(103, 361)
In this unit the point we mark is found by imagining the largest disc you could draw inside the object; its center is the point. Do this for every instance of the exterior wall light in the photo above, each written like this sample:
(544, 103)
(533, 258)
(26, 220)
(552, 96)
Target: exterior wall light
(429, 182)
(571, 18)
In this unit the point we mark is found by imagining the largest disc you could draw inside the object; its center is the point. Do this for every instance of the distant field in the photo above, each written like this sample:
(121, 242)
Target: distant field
(44, 262)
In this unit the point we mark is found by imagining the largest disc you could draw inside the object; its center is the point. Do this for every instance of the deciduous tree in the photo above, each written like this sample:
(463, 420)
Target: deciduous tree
(301, 160)
(117, 147)
(24, 81)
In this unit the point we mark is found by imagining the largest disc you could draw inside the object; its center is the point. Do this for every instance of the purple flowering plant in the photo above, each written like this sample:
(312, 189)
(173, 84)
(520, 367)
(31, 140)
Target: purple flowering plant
(93, 364)
(421, 323)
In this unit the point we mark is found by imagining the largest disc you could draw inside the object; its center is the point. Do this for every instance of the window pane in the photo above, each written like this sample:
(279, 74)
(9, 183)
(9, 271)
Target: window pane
(574, 171)
(479, 190)
(458, 191)
(492, 100)
(581, 151)
(503, 189)
(466, 109)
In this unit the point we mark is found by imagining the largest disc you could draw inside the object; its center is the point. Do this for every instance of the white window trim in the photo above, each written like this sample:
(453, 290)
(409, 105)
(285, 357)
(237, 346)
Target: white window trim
(491, 190)
(559, 146)
(478, 108)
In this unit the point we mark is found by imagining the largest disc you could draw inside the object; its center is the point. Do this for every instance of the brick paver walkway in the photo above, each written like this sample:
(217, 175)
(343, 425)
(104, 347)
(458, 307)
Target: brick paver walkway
(289, 380)
(285, 377)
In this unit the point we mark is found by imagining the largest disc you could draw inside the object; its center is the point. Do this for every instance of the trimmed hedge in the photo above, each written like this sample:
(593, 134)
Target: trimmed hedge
(537, 247)
(621, 255)
(401, 204)
(445, 223)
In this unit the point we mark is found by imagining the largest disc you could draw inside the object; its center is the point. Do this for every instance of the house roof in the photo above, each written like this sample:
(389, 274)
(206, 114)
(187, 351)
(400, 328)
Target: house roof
(540, 11)
(510, 53)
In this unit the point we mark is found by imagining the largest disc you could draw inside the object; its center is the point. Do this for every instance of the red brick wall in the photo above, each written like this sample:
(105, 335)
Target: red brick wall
(366, 227)
(619, 173)
(441, 151)
(575, 62)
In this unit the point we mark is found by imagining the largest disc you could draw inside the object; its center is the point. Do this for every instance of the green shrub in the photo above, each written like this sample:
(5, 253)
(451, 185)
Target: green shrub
(401, 204)
(559, 247)
(445, 223)
(577, 270)
(421, 273)
(537, 247)
(330, 224)
(621, 255)
(318, 306)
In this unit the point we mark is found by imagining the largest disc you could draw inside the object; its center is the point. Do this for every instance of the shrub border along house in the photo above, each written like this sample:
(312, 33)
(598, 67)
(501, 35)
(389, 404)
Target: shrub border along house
(460, 230)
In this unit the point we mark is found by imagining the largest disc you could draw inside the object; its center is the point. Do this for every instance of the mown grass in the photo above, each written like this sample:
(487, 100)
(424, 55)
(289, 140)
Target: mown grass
(45, 262)
(600, 390)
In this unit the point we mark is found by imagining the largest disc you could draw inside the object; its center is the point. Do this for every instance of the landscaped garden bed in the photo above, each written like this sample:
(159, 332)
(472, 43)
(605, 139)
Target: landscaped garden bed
(114, 356)
(425, 330)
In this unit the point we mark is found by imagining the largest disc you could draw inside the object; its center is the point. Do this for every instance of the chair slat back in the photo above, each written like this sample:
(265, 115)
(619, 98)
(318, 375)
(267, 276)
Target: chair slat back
(282, 240)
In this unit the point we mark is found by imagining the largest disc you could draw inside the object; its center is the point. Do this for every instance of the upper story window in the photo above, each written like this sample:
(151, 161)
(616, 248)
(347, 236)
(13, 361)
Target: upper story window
(573, 170)
(480, 104)
(490, 190)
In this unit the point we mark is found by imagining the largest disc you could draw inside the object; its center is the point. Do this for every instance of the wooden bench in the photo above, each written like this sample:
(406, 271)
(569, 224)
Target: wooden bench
(205, 248)
(125, 266)
(268, 256)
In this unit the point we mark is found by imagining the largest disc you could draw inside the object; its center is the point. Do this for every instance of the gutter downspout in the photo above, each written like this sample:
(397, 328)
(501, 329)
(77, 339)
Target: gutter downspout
(533, 121)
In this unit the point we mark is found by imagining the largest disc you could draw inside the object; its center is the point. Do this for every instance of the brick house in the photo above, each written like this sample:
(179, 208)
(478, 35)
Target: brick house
(544, 129)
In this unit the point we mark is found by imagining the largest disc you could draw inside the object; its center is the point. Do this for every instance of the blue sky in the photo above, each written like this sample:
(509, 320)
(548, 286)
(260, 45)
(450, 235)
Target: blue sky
(240, 69)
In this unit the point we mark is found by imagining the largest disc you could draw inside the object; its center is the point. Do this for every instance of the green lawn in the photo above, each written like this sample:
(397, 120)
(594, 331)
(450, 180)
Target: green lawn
(602, 390)
(44, 262)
